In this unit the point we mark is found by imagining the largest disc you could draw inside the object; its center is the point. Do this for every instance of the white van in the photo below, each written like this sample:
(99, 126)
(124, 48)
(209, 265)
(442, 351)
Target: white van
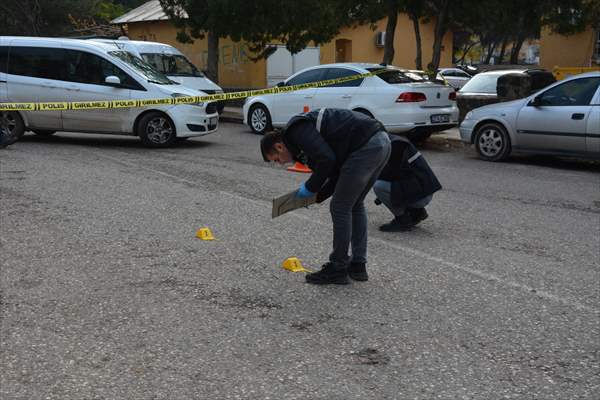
(171, 62)
(61, 70)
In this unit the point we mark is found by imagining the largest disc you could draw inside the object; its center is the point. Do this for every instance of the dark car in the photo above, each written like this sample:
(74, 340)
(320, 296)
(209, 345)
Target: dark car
(500, 85)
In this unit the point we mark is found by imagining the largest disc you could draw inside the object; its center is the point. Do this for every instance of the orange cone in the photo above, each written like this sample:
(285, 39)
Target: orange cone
(299, 167)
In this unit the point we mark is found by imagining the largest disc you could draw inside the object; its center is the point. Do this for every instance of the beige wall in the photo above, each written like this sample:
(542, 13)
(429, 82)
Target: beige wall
(237, 70)
(364, 49)
(566, 51)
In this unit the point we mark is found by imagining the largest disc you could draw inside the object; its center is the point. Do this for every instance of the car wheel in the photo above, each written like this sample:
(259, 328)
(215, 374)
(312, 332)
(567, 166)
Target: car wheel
(492, 142)
(260, 119)
(155, 129)
(12, 127)
(365, 112)
(43, 132)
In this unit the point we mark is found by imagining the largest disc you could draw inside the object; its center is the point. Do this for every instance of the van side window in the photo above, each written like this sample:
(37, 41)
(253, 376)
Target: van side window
(3, 59)
(89, 68)
(37, 62)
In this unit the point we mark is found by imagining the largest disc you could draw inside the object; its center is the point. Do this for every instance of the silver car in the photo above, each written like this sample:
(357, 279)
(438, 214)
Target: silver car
(561, 119)
(454, 76)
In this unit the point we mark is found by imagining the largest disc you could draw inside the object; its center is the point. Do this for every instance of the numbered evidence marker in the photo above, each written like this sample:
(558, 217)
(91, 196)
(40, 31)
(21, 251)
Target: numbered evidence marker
(293, 264)
(205, 234)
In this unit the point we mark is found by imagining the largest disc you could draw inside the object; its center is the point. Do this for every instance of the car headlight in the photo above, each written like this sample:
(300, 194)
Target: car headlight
(469, 115)
(199, 104)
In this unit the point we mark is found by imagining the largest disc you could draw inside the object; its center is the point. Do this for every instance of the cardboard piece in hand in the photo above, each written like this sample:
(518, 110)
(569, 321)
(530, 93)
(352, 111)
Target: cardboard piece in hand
(289, 202)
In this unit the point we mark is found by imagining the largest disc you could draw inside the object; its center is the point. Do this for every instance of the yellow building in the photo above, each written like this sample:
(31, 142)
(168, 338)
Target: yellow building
(237, 70)
(578, 50)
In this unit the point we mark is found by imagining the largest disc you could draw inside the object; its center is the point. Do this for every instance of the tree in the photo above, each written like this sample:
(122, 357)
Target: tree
(567, 17)
(259, 23)
(58, 17)
(41, 17)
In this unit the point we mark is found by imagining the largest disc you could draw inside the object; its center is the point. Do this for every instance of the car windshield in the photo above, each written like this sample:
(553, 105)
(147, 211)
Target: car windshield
(172, 64)
(393, 76)
(481, 84)
(143, 68)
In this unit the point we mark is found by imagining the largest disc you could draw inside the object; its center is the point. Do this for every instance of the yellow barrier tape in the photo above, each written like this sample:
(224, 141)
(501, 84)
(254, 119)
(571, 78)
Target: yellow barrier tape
(108, 104)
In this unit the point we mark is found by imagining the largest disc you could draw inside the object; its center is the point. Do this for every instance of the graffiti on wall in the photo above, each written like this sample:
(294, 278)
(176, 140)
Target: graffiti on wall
(230, 54)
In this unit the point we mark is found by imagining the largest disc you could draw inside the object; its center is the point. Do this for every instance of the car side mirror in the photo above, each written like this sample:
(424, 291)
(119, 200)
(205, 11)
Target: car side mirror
(536, 101)
(112, 81)
(280, 84)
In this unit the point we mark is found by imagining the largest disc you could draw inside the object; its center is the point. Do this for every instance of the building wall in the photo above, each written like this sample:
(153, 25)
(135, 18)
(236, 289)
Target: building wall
(566, 51)
(364, 49)
(237, 70)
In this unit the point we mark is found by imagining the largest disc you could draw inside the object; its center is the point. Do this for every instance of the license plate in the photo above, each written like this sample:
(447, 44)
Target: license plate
(438, 118)
(212, 120)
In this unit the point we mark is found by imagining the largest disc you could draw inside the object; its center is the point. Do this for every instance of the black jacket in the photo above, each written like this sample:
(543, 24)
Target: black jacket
(410, 175)
(325, 138)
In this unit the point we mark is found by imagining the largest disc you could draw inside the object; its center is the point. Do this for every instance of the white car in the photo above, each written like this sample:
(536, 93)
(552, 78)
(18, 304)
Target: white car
(454, 76)
(561, 119)
(62, 70)
(171, 62)
(403, 101)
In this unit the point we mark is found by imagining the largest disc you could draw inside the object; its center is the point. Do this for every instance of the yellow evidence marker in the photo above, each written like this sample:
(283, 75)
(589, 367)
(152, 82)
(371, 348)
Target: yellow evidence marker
(293, 264)
(205, 234)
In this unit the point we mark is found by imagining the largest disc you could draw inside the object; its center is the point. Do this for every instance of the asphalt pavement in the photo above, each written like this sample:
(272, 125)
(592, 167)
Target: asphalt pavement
(106, 293)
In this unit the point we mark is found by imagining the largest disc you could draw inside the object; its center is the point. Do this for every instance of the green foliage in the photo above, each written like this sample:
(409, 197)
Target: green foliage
(107, 10)
(41, 17)
(567, 17)
(260, 22)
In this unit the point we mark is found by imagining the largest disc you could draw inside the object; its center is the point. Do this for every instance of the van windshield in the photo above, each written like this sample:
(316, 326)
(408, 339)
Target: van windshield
(143, 68)
(172, 64)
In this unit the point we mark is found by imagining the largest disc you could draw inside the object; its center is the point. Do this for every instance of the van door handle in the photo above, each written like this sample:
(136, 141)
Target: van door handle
(73, 88)
(577, 116)
(308, 96)
(346, 96)
(49, 86)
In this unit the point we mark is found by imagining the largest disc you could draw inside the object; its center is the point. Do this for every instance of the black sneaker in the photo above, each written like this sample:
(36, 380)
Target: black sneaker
(400, 223)
(328, 275)
(358, 271)
(418, 214)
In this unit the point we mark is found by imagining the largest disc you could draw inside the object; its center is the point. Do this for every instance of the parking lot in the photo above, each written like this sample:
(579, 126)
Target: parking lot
(108, 294)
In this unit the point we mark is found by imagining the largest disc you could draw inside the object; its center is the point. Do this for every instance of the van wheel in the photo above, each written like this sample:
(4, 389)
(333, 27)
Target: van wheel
(260, 119)
(492, 142)
(155, 129)
(12, 127)
(43, 132)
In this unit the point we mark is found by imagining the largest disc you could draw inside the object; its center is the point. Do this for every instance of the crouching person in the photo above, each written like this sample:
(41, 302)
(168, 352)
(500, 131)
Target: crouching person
(346, 151)
(405, 186)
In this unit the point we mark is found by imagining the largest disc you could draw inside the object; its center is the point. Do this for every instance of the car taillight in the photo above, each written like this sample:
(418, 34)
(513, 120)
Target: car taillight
(411, 97)
(452, 96)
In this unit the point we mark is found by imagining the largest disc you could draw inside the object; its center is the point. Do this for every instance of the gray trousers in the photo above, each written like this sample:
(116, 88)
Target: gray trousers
(357, 175)
(383, 191)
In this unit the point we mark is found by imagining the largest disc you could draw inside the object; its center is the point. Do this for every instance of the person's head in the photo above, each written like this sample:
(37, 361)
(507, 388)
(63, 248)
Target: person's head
(273, 149)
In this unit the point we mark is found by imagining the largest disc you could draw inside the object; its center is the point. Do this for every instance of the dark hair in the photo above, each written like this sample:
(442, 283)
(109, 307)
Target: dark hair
(268, 141)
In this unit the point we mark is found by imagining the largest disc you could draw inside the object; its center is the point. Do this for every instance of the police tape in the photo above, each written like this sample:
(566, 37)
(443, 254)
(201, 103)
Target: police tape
(108, 104)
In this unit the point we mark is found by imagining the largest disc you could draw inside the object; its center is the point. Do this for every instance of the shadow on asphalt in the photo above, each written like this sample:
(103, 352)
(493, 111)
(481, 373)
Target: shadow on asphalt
(97, 140)
(563, 163)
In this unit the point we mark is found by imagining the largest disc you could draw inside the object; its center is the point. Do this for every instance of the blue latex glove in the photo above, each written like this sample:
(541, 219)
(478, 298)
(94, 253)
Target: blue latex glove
(303, 192)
